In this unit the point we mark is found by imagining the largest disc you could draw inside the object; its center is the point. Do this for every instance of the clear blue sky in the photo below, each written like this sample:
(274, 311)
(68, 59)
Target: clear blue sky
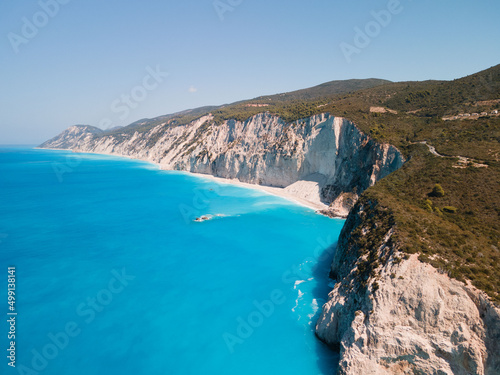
(89, 53)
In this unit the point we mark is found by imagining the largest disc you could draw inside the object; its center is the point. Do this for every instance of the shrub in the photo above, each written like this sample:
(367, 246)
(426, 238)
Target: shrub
(450, 209)
(428, 205)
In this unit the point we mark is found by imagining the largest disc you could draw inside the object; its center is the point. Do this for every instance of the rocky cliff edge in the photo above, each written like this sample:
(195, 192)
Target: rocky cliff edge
(389, 313)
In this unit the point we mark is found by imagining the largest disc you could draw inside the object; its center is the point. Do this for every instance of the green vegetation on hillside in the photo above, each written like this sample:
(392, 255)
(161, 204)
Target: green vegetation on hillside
(175, 119)
(459, 232)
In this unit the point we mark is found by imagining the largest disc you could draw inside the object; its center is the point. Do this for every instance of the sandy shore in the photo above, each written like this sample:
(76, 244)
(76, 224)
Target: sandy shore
(280, 192)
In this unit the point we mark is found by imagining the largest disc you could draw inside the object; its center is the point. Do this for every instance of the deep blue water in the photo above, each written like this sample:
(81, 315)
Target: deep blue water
(114, 277)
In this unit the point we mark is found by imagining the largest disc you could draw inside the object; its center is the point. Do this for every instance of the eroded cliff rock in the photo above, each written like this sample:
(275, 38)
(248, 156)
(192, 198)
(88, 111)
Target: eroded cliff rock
(320, 158)
(389, 313)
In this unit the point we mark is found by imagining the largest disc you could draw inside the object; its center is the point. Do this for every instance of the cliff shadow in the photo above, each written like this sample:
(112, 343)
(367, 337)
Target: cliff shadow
(328, 358)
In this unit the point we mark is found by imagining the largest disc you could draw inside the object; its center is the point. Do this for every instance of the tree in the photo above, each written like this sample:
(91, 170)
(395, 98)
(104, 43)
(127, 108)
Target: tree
(437, 191)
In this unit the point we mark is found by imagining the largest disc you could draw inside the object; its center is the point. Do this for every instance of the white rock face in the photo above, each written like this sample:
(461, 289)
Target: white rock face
(328, 155)
(419, 321)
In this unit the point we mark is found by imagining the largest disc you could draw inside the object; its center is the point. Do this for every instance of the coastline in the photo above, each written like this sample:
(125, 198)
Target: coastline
(276, 191)
(280, 192)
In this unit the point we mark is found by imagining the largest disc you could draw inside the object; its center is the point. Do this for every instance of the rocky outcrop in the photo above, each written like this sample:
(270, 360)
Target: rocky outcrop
(392, 314)
(74, 136)
(320, 158)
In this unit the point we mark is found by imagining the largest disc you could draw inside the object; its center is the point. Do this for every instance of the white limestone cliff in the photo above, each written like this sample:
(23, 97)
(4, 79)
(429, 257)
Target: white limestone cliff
(320, 158)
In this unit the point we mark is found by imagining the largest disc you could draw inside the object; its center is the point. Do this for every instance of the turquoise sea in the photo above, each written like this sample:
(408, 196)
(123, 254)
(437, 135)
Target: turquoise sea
(113, 276)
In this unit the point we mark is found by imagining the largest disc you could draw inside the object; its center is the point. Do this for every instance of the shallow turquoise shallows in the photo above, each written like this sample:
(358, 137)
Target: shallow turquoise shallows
(114, 276)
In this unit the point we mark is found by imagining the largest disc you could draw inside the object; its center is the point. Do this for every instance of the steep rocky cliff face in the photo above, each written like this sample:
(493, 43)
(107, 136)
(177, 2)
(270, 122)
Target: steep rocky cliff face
(321, 158)
(389, 313)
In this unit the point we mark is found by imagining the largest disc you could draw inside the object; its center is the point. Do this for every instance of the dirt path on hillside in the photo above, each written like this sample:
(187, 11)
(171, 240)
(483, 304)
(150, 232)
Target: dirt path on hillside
(462, 162)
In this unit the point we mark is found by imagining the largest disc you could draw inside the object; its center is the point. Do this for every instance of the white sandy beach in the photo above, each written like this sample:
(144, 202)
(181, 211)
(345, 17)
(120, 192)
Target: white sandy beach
(280, 192)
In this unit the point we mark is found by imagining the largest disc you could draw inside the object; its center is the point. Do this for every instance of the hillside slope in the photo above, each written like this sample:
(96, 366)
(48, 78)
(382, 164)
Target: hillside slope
(418, 267)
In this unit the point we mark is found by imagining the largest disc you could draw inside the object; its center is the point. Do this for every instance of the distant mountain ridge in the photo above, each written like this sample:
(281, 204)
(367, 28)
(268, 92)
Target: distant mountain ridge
(321, 91)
